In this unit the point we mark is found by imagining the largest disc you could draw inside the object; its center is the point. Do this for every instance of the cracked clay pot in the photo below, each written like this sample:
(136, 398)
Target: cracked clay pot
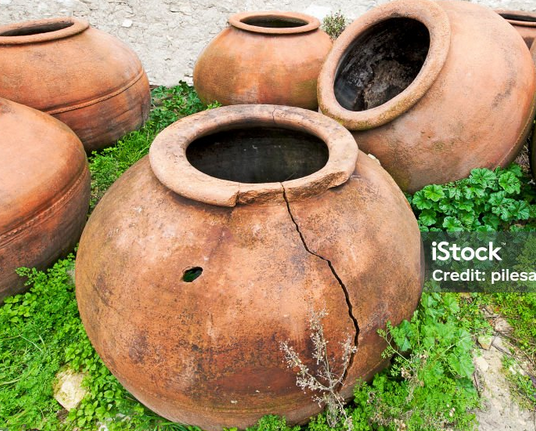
(207, 254)
(263, 57)
(523, 22)
(44, 192)
(432, 89)
(82, 76)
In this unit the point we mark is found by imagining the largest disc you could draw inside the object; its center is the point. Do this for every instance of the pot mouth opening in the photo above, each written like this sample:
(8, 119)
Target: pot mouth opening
(384, 63)
(32, 29)
(242, 154)
(258, 155)
(41, 30)
(520, 17)
(381, 63)
(275, 23)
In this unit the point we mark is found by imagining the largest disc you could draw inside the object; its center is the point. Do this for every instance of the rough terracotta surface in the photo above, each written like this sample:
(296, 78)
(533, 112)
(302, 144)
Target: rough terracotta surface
(523, 22)
(207, 352)
(252, 61)
(471, 104)
(533, 146)
(85, 78)
(44, 193)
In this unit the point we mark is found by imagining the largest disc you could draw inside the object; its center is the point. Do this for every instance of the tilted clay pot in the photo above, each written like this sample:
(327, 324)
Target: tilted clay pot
(82, 76)
(432, 89)
(523, 22)
(44, 192)
(205, 256)
(263, 57)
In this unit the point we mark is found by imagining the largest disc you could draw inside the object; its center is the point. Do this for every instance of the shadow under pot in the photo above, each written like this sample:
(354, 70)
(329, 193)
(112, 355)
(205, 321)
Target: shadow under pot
(263, 57)
(44, 195)
(82, 76)
(523, 22)
(242, 224)
(432, 89)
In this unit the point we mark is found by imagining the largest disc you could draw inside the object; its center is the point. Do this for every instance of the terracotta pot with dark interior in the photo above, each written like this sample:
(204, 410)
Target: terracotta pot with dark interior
(207, 254)
(524, 22)
(263, 57)
(82, 76)
(432, 89)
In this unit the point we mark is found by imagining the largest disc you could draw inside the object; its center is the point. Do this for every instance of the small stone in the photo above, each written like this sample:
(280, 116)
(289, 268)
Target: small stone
(501, 325)
(485, 341)
(127, 23)
(498, 343)
(481, 364)
(68, 391)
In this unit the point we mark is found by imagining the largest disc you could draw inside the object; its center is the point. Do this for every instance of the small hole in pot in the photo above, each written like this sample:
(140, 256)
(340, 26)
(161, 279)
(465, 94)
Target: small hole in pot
(258, 154)
(274, 22)
(515, 17)
(381, 63)
(37, 29)
(191, 274)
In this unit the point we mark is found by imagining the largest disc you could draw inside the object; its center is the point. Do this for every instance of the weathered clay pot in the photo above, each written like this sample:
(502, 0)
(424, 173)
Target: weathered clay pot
(523, 22)
(44, 192)
(263, 57)
(267, 207)
(84, 77)
(432, 89)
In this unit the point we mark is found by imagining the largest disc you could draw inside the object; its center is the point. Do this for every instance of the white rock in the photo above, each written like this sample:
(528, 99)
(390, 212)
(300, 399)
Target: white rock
(127, 23)
(481, 364)
(68, 390)
(501, 325)
(485, 341)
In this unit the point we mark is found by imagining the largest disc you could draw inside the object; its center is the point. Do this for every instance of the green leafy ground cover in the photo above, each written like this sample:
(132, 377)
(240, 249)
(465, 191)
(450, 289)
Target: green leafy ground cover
(428, 387)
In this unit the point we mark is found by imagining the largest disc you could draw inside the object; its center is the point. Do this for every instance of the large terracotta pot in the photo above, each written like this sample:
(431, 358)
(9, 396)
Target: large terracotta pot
(523, 22)
(263, 57)
(84, 77)
(205, 256)
(44, 192)
(432, 89)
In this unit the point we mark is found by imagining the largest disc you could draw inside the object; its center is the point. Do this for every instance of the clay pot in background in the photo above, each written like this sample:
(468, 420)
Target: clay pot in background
(44, 192)
(263, 57)
(82, 76)
(523, 22)
(205, 256)
(432, 89)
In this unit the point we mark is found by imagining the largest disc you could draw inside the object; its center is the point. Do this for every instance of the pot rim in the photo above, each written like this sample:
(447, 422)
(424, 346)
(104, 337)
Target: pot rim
(75, 26)
(167, 155)
(311, 23)
(426, 12)
(518, 13)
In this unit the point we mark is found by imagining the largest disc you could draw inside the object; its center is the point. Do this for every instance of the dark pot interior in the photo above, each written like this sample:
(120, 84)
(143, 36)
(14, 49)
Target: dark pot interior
(516, 17)
(381, 63)
(274, 22)
(37, 29)
(258, 154)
